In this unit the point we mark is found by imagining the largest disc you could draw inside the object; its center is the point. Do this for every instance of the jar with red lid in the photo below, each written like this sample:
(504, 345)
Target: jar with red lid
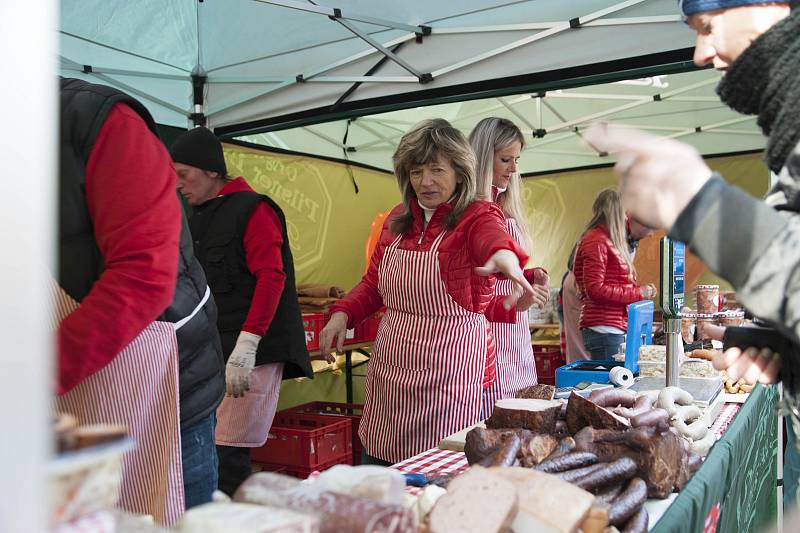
(730, 318)
(707, 297)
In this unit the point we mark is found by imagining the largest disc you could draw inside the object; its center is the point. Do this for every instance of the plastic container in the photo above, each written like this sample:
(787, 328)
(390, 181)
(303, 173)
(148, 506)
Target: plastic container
(730, 318)
(707, 297)
(548, 358)
(305, 441)
(350, 411)
(312, 325)
(301, 472)
(688, 326)
(708, 318)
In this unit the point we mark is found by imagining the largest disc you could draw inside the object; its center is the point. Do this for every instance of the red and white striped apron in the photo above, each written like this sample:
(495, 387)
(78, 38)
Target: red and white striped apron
(424, 377)
(245, 421)
(138, 389)
(516, 367)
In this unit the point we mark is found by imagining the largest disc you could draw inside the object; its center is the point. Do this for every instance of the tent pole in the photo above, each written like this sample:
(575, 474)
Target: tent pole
(198, 117)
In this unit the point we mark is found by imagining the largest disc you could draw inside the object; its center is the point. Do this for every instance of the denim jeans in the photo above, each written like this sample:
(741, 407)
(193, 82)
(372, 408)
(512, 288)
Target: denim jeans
(602, 345)
(199, 462)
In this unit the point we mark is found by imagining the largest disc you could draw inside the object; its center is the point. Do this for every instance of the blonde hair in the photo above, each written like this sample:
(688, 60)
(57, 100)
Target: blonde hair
(607, 210)
(488, 137)
(422, 144)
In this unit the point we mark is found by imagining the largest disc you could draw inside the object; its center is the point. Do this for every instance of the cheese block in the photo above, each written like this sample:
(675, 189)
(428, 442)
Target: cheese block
(545, 503)
(245, 518)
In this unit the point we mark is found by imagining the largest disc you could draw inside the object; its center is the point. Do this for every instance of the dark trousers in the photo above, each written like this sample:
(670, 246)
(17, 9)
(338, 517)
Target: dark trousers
(234, 467)
(367, 459)
(199, 461)
(601, 345)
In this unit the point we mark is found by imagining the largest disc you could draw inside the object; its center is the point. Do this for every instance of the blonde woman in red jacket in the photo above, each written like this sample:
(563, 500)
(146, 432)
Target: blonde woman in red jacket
(497, 143)
(430, 270)
(606, 278)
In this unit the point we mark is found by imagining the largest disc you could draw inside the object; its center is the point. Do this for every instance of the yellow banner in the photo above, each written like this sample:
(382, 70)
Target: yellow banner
(327, 221)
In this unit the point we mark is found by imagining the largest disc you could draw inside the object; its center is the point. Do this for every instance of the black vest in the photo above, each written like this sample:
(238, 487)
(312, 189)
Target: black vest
(218, 228)
(84, 109)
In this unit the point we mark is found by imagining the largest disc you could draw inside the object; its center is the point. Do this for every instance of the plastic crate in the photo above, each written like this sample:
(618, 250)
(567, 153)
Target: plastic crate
(312, 325)
(299, 472)
(351, 411)
(548, 358)
(305, 440)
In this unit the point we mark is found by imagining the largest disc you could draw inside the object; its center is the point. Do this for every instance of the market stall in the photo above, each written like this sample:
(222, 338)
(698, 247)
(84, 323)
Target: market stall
(721, 492)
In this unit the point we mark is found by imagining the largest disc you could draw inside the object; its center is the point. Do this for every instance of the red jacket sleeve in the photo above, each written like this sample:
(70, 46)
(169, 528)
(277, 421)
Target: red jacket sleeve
(495, 312)
(595, 258)
(530, 273)
(262, 246)
(130, 194)
(489, 235)
(365, 298)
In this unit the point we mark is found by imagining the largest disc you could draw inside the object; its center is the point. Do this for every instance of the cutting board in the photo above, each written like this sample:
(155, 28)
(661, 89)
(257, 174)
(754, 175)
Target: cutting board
(456, 441)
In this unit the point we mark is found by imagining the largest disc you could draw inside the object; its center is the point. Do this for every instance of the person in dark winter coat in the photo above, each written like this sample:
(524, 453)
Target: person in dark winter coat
(755, 245)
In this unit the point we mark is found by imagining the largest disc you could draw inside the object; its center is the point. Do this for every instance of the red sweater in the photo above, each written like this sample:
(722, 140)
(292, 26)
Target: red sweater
(478, 235)
(263, 239)
(603, 281)
(130, 194)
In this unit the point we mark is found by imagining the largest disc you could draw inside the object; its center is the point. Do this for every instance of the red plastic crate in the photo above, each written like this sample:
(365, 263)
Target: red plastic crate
(548, 359)
(305, 440)
(299, 472)
(351, 411)
(313, 324)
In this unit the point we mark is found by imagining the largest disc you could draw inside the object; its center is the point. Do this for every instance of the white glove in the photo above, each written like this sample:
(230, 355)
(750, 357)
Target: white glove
(241, 363)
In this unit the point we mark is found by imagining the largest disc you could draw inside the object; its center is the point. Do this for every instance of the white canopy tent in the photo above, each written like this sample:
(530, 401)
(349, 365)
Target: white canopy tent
(682, 106)
(247, 66)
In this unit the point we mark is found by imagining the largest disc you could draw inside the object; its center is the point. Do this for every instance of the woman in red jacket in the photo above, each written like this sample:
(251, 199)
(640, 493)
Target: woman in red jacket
(430, 270)
(498, 143)
(606, 278)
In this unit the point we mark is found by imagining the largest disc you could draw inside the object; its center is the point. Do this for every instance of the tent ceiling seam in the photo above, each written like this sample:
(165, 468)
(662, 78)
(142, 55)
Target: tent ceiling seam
(121, 51)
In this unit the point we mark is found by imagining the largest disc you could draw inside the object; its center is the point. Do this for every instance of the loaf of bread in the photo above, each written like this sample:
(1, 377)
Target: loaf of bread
(477, 501)
(546, 504)
(337, 513)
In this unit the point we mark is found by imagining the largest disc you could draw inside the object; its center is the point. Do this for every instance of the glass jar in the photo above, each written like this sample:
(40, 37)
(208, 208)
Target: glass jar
(730, 318)
(687, 326)
(707, 297)
(707, 318)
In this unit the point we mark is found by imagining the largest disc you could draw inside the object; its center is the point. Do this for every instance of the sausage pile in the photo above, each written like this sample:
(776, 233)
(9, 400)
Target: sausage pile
(618, 446)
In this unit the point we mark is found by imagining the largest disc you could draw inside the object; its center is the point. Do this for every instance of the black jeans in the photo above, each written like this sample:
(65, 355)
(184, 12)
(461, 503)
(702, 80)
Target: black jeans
(234, 467)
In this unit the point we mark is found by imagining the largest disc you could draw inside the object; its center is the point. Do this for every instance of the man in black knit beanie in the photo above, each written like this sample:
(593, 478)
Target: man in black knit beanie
(753, 244)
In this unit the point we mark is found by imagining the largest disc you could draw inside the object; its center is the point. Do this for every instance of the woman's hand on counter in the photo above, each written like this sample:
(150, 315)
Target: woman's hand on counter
(506, 262)
(754, 365)
(334, 331)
